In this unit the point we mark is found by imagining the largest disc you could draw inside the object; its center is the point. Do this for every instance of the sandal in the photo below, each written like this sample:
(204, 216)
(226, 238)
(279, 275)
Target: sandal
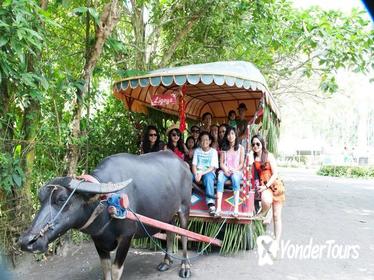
(235, 214)
(217, 214)
(261, 216)
(258, 217)
(212, 210)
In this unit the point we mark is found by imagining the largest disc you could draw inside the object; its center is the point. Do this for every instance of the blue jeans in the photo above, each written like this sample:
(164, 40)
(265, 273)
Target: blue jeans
(235, 179)
(208, 183)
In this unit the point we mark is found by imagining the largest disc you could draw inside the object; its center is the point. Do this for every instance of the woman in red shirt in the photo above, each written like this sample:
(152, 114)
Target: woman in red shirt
(269, 186)
(175, 143)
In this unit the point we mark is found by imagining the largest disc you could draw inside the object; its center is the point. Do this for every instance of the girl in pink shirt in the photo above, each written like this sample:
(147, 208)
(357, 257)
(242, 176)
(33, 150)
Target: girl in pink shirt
(231, 163)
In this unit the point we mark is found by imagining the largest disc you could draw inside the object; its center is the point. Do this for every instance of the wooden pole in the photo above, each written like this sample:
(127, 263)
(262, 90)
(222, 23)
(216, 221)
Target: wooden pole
(155, 223)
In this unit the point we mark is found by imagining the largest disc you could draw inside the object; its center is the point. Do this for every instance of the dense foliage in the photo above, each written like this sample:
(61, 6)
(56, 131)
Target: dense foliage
(346, 171)
(55, 72)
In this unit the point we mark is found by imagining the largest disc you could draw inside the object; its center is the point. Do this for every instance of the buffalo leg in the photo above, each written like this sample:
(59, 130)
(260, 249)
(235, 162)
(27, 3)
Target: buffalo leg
(122, 250)
(106, 263)
(166, 263)
(185, 270)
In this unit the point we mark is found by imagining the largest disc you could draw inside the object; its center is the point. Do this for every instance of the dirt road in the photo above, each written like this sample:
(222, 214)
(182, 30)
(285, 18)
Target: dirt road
(320, 212)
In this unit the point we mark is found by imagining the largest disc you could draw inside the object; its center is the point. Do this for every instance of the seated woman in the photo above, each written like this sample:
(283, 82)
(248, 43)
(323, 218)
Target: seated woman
(204, 165)
(221, 134)
(194, 132)
(214, 135)
(206, 122)
(191, 146)
(175, 143)
(151, 140)
(231, 163)
(269, 186)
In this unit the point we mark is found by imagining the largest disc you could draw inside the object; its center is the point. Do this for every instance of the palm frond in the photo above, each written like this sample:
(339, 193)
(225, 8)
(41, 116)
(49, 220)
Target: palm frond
(235, 237)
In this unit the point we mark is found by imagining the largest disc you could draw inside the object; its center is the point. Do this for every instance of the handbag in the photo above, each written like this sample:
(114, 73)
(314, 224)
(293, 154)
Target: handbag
(278, 187)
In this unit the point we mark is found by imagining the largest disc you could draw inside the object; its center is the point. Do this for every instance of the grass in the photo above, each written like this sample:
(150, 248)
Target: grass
(347, 171)
(235, 237)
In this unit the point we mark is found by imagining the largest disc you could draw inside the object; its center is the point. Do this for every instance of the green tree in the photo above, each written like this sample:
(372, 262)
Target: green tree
(21, 82)
(55, 59)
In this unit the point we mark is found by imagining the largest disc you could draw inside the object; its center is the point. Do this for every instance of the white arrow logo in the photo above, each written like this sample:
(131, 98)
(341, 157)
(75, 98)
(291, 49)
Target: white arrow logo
(266, 249)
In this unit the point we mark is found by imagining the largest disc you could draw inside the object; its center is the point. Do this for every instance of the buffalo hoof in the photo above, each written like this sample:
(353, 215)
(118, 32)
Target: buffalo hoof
(185, 273)
(163, 267)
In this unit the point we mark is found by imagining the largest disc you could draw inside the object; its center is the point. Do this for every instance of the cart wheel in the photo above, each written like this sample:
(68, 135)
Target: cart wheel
(250, 244)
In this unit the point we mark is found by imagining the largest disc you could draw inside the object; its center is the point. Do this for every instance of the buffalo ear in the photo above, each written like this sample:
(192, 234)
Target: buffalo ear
(60, 181)
(45, 191)
(97, 188)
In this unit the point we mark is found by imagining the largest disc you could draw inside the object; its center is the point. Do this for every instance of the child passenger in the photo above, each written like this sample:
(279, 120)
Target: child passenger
(232, 118)
(204, 164)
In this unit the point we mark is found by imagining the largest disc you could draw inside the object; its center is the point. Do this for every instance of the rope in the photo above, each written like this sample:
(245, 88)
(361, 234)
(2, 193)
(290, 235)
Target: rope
(49, 225)
(67, 200)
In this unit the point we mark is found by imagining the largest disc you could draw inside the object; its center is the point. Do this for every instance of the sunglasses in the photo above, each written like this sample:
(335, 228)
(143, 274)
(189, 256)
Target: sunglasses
(174, 134)
(152, 134)
(222, 131)
(195, 130)
(258, 144)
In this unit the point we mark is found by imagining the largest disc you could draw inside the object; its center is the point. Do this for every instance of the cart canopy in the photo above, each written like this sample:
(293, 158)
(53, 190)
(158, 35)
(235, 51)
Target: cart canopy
(216, 87)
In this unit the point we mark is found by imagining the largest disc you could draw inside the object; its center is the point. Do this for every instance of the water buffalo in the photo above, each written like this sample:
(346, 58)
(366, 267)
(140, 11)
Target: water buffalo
(160, 188)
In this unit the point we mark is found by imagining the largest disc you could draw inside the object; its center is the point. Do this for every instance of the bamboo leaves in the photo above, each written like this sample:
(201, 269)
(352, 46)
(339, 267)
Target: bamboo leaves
(18, 39)
(270, 129)
(83, 10)
(11, 173)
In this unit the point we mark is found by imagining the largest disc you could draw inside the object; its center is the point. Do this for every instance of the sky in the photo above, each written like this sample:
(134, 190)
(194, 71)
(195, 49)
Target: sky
(342, 5)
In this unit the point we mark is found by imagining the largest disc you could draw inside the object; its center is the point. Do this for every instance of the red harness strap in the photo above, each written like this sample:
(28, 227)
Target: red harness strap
(88, 178)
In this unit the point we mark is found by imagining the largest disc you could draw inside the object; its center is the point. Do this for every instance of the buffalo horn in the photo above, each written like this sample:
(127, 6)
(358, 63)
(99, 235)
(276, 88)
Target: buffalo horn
(97, 187)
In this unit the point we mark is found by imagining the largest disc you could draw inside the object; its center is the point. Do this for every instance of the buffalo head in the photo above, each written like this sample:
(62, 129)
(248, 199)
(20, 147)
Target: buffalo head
(49, 224)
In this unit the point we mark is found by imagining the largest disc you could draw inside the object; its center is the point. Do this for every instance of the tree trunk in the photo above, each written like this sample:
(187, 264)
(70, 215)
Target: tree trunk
(30, 127)
(108, 21)
(6, 125)
(137, 21)
(178, 39)
(87, 56)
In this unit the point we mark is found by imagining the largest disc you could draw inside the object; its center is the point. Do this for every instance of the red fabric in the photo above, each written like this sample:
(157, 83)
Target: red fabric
(179, 153)
(182, 109)
(88, 178)
(124, 201)
(264, 173)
